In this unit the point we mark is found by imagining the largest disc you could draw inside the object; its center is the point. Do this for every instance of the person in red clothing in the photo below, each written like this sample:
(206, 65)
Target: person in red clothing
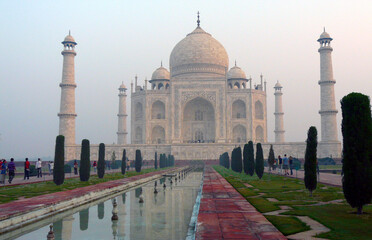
(27, 170)
(95, 166)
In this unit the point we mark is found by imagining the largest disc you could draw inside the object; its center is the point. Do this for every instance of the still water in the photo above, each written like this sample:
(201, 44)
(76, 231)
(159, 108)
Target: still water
(165, 215)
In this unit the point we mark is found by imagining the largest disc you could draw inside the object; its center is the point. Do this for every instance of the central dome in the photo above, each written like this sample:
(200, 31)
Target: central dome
(198, 52)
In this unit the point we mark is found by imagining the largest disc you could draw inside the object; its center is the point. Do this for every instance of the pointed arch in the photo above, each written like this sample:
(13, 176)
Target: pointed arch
(258, 109)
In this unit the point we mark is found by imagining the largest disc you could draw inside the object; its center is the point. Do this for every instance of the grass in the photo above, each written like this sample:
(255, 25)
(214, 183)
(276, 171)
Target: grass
(339, 218)
(11, 193)
(288, 225)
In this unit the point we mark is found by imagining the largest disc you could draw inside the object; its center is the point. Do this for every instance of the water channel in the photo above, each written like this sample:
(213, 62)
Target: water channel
(165, 215)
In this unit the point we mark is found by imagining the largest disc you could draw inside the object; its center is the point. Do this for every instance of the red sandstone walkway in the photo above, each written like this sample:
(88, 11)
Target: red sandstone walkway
(22, 206)
(225, 214)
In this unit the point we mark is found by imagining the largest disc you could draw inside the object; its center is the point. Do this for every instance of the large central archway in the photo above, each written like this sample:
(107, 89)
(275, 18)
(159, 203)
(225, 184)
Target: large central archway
(198, 123)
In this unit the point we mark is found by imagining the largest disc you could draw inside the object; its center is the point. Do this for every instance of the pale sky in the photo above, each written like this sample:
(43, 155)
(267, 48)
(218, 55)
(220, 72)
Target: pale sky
(118, 39)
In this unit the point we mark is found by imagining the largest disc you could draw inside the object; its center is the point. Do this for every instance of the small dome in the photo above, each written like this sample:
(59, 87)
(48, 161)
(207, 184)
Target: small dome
(160, 74)
(69, 38)
(198, 52)
(236, 73)
(324, 35)
(278, 85)
(122, 86)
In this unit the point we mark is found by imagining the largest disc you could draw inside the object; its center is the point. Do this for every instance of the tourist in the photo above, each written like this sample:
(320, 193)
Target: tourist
(280, 164)
(108, 165)
(3, 171)
(75, 167)
(11, 170)
(27, 170)
(285, 164)
(51, 167)
(127, 164)
(38, 167)
(291, 164)
(95, 166)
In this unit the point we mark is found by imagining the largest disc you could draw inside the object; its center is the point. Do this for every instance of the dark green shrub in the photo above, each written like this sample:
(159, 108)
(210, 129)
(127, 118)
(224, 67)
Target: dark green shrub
(138, 161)
(310, 159)
(250, 158)
(236, 160)
(124, 162)
(156, 160)
(357, 150)
(59, 161)
(259, 165)
(226, 160)
(84, 170)
(67, 168)
(101, 161)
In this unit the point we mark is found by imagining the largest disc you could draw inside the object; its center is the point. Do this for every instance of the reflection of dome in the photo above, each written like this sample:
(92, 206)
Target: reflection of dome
(160, 73)
(198, 52)
(69, 38)
(236, 73)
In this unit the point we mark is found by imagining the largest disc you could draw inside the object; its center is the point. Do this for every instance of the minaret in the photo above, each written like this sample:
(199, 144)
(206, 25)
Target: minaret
(122, 115)
(67, 113)
(328, 110)
(279, 114)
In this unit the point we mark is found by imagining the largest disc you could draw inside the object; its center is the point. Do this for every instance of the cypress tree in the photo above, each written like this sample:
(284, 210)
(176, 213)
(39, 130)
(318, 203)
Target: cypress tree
(101, 160)
(310, 159)
(239, 163)
(233, 157)
(357, 151)
(59, 161)
(156, 160)
(138, 161)
(84, 170)
(227, 160)
(250, 158)
(271, 159)
(124, 162)
(259, 161)
(245, 158)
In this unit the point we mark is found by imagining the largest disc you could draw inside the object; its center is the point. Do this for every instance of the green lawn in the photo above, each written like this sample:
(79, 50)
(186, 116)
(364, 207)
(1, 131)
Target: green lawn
(11, 193)
(344, 224)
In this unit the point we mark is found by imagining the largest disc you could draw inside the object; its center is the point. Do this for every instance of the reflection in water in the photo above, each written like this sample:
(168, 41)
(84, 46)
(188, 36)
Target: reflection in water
(84, 218)
(165, 215)
(101, 210)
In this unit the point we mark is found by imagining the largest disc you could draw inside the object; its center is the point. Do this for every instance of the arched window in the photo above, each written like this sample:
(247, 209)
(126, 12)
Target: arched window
(199, 136)
(238, 109)
(239, 134)
(138, 138)
(259, 134)
(198, 115)
(236, 85)
(138, 112)
(158, 110)
(160, 86)
(167, 86)
(259, 112)
(158, 135)
(230, 86)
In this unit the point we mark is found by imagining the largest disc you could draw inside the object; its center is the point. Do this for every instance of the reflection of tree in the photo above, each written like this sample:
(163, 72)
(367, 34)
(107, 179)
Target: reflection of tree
(84, 218)
(123, 197)
(162, 180)
(138, 192)
(101, 210)
(57, 229)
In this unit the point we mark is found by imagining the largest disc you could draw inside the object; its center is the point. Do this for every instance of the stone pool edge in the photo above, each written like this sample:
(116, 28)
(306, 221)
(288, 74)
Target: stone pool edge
(20, 219)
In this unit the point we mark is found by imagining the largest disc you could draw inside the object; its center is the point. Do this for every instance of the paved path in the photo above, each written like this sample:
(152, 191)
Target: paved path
(325, 178)
(46, 177)
(225, 214)
(23, 206)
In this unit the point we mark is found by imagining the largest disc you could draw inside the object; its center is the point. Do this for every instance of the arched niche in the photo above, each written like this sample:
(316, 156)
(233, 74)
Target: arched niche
(259, 134)
(258, 109)
(158, 110)
(158, 135)
(138, 111)
(198, 120)
(238, 109)
(240, 134)
(138, 135)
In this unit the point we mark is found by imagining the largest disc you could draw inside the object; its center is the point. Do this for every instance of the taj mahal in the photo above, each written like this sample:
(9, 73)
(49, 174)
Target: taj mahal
(200, 107)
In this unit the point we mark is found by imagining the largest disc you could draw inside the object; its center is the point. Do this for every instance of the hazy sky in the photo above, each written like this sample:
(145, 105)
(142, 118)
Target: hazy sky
(118, 39)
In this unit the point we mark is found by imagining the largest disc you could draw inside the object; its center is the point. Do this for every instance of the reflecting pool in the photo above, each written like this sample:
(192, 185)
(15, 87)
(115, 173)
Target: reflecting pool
(162, 215)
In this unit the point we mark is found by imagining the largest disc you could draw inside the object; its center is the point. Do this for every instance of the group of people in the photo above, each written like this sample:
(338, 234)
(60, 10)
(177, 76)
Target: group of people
(10, 168)
(285, 164)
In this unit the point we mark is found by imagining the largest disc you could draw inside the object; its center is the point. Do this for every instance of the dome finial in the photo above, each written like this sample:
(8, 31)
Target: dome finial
(235, 63)
(198, 20)
(323, 29)
(69, 32)
(161, 63)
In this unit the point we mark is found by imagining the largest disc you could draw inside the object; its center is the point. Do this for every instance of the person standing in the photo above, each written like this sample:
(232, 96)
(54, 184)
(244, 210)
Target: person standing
(285, 164)
(51, 167)
(3, 171)
(27, 170)
(11, 170)
(280, 164)
(291, 164)
(75, 167)
(38, 167)
(95, 166)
